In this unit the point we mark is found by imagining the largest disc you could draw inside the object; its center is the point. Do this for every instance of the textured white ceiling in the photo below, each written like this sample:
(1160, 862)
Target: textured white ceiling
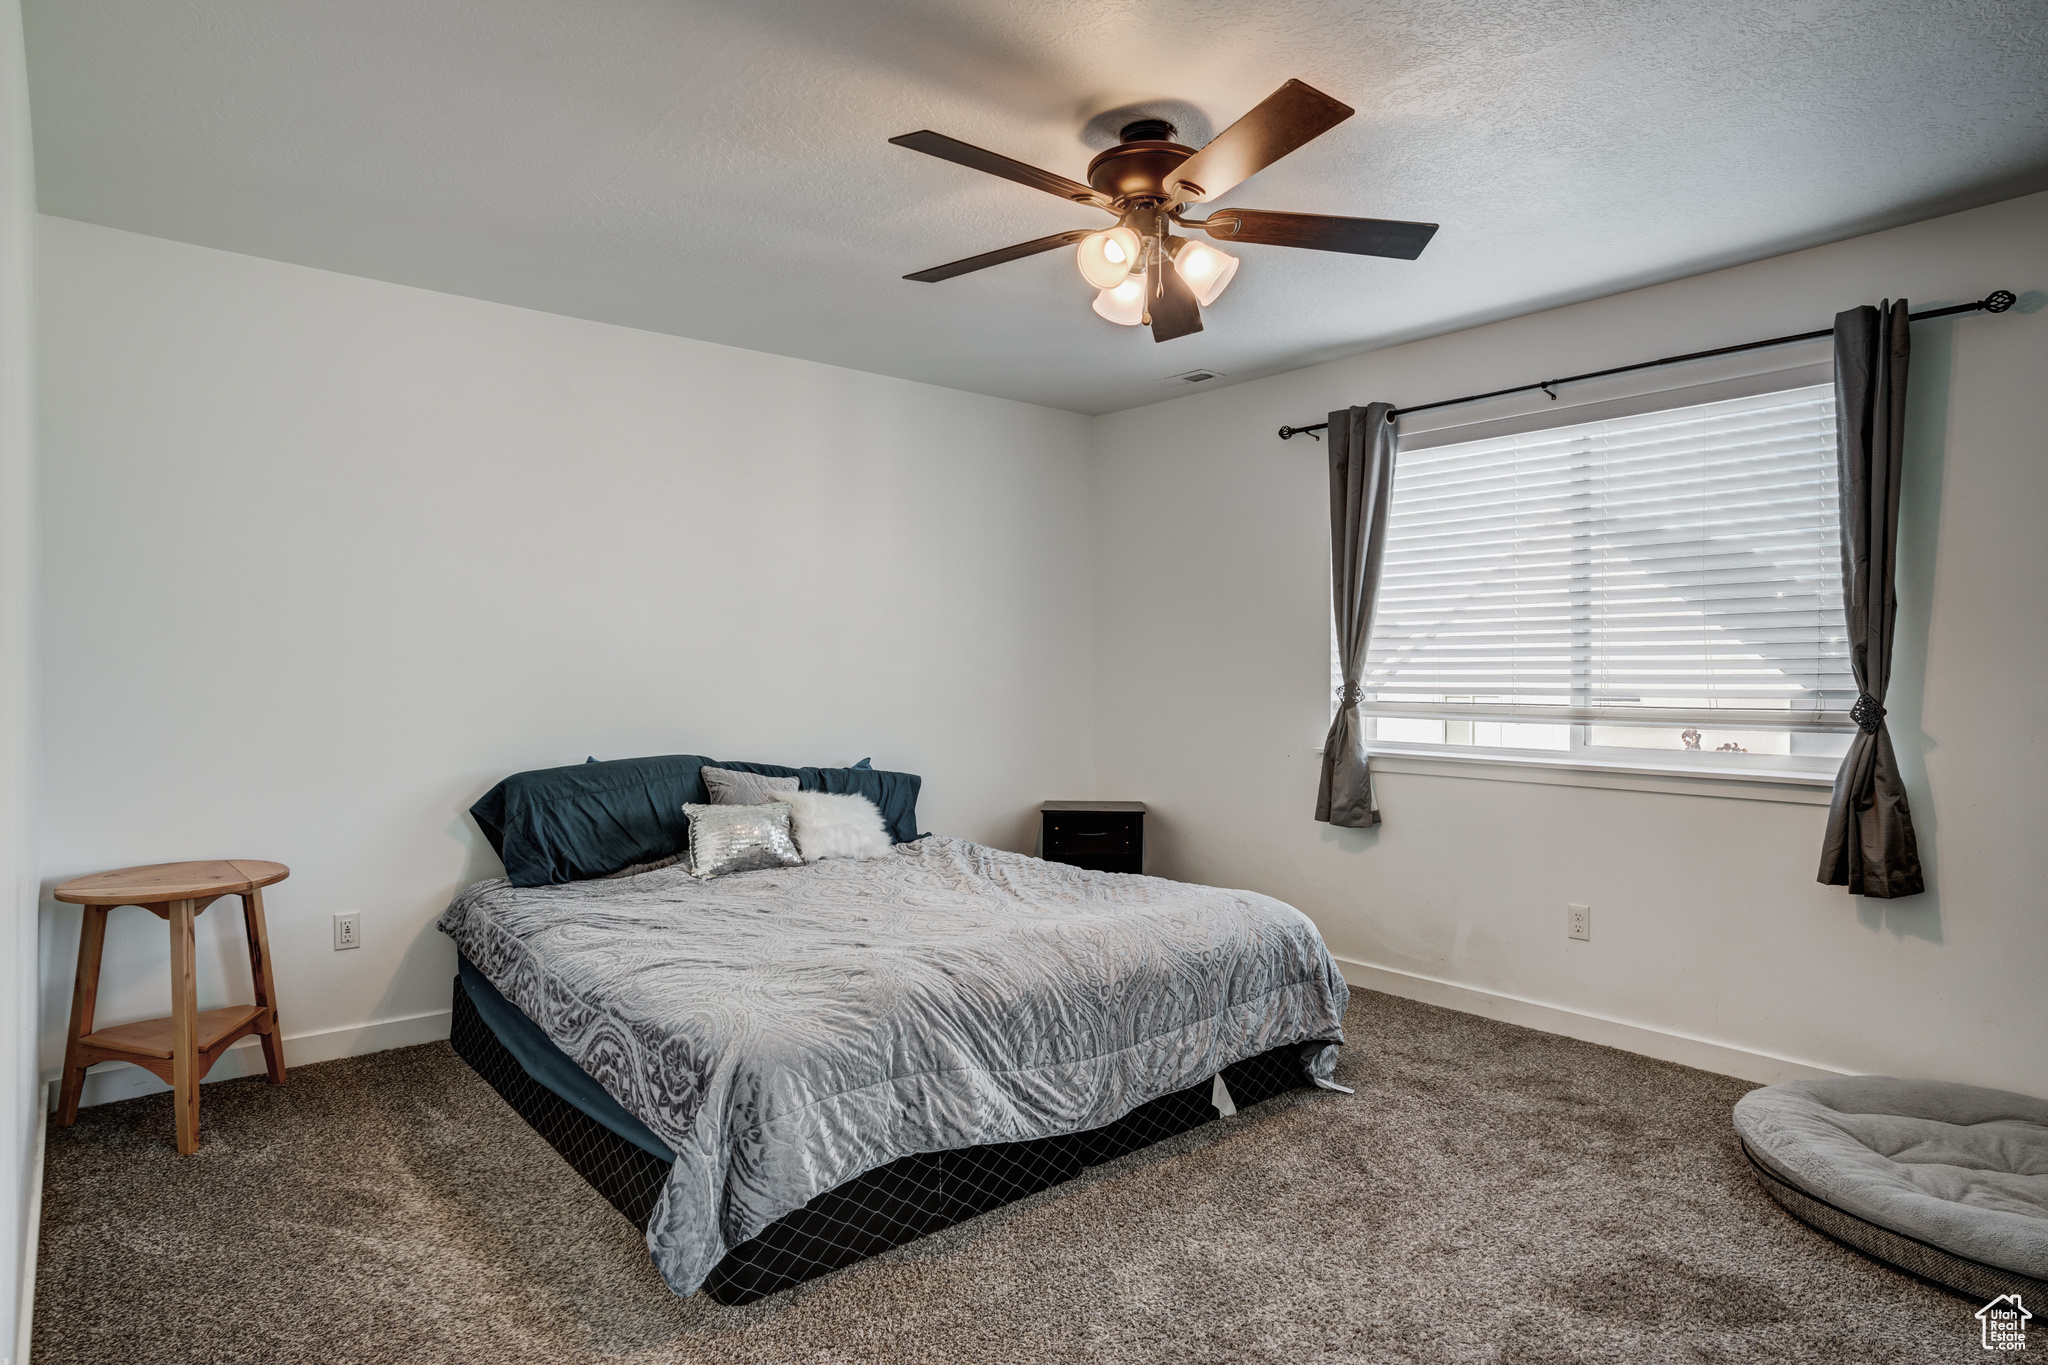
(720, 169)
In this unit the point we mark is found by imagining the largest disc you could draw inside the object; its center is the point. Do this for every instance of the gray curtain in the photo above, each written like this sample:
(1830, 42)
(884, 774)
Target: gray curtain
(1870, 846)
(1361, 479)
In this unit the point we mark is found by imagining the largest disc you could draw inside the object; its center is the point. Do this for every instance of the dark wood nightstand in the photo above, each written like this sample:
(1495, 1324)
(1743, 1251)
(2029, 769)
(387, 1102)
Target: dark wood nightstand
(1107, 836)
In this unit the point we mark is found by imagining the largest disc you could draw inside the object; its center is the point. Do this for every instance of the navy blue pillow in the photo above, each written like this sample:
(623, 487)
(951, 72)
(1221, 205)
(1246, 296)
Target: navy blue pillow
(589, 819)
(592, 818)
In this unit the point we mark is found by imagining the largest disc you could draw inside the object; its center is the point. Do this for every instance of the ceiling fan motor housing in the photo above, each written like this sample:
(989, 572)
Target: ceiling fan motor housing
(1133, 172)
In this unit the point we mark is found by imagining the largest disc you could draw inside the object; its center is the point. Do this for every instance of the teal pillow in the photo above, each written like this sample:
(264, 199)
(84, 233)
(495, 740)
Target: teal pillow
(590, 819)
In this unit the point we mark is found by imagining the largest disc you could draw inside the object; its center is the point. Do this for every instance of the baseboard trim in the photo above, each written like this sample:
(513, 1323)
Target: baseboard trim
(32, 1226)
(1662, 1044)
(118, 1081)
(110, 1081)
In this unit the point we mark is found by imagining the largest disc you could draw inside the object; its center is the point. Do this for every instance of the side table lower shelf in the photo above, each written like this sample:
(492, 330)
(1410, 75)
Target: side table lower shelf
(149, 1043)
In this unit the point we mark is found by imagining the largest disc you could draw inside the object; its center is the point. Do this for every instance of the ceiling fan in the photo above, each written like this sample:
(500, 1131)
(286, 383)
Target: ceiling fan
(1144, 273)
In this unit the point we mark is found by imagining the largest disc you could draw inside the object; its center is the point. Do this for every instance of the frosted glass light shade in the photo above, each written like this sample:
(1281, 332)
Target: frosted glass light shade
(1125, 304)
(1106, 257)
(1205, 269)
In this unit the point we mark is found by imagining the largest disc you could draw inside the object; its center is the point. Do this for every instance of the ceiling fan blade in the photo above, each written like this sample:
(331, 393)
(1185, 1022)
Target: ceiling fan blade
(1286, 119)
(997, 257)
(1175, 313)
(1359, 236)
(975, 158)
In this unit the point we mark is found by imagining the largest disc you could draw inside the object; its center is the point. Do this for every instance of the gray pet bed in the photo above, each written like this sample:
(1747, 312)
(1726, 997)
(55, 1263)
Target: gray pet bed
(1947, 1182)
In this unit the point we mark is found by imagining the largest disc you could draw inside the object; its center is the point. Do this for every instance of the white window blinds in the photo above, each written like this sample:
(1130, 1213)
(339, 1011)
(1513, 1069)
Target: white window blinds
(1662, 567)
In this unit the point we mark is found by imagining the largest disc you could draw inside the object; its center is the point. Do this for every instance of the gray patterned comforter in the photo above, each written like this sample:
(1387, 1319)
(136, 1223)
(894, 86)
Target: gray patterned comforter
(786, 1030)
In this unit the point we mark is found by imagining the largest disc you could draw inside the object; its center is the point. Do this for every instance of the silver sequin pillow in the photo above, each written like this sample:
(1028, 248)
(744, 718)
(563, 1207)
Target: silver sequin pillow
(731, 788)
(739, 838)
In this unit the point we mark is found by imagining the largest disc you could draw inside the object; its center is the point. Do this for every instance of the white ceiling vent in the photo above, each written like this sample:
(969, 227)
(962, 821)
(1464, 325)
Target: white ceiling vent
(1192, 377)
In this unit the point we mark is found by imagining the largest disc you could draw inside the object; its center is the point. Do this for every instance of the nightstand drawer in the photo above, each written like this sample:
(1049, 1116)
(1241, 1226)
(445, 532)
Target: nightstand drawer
(1078, 832)
(1109, 837)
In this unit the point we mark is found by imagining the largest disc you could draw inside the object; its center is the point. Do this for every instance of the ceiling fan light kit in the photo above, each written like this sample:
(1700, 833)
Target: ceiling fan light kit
(1108, 256)
(1206, 269)
(1142, 272)
(1125, 304)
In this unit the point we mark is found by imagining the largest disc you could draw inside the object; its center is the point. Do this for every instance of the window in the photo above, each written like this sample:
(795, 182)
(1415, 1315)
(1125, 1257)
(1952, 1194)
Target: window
(1665, 580)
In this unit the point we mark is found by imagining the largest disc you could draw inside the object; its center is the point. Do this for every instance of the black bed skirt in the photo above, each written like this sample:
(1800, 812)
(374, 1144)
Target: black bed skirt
(870, 1213)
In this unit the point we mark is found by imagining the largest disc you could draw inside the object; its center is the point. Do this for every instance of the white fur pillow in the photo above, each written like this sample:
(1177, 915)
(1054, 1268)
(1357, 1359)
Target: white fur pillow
(829, 826)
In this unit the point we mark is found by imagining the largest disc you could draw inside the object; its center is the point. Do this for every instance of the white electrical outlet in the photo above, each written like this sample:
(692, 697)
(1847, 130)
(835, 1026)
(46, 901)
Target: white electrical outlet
(348, 932)
(1579, 921)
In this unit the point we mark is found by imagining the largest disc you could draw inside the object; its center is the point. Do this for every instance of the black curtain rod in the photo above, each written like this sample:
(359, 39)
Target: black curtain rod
(1997, 301)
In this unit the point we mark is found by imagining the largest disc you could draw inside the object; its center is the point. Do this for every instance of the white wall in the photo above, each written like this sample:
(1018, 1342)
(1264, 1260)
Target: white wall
(326, 557)
(20, 1110)
(1213, 639)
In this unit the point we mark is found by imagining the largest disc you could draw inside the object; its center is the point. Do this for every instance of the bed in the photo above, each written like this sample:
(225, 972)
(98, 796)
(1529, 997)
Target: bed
(779, 1071)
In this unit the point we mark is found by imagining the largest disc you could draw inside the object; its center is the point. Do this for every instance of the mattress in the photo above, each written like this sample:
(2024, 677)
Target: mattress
(784, 1032)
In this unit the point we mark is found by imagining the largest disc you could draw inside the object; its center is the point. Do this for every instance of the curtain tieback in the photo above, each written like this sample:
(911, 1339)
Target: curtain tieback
(1868, 713)
(1350, 695)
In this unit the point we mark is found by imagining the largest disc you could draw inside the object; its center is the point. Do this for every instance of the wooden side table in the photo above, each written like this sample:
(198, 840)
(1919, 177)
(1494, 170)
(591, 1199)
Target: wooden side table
(182, 1048)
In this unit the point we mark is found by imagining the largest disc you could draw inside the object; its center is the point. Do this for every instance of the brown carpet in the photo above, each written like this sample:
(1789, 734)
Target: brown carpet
(1489, 1194)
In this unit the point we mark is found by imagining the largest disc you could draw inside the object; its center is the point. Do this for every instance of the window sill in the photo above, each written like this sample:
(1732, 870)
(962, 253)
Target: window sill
(1788, 786)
